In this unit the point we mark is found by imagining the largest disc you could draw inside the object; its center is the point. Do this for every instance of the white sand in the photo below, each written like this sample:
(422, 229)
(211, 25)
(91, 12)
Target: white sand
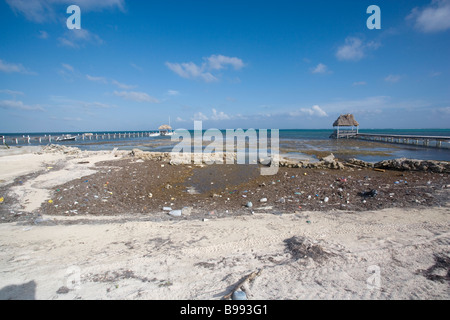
(132, 258)
(54, 169)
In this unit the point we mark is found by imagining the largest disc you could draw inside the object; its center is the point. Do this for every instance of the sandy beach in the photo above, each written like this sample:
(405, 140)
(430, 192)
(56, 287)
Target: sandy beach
(97, 225)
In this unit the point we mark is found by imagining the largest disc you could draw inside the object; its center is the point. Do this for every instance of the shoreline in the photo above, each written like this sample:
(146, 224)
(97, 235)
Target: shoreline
(103, 229)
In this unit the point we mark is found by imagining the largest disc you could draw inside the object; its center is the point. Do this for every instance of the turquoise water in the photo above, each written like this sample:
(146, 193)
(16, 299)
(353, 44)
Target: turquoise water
(292, 142)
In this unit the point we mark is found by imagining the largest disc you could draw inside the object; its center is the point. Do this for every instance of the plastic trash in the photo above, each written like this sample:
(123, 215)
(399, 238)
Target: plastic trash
(167, 209)
(263, 200)
(249, 205)
(175, 213)
(326, 199)
(239, 295)
(2, 199)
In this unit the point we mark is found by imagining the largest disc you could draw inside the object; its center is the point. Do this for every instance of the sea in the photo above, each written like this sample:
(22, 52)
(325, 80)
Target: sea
(296, 143)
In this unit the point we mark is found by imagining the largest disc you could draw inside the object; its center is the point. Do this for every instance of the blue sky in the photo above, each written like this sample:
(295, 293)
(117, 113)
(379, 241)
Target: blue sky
(233, 64)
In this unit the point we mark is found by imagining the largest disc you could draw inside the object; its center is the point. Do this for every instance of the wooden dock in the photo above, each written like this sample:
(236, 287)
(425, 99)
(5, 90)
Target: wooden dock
(16, 140)
(424, 141)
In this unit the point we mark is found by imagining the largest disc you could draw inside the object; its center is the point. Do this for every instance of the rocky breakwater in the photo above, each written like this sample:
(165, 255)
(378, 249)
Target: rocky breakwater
(329, 162)
(414, 165)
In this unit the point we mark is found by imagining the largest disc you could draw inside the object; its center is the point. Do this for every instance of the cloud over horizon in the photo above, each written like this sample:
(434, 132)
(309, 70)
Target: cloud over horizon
(190, 70)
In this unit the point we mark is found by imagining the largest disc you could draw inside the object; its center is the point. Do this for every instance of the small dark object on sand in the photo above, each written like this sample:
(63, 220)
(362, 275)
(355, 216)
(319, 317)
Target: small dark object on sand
(301, 248)
(371, 193)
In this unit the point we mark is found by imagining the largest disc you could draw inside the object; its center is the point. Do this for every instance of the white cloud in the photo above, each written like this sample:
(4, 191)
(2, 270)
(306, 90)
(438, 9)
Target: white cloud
(178, 119)
(19, 105)
(217, 62)
(435, 74)
(12, 92)
(320, 68)
(68, 67)
(96, 79)
(314, 111)
(190, 70)
(43, 35)
(78, 38)
(433, 18)
(122, 85)
(355, 49)
(44, 11)
(78, 104)
(359, 83)
(173, 92)
(13, 68)
(136, 96)
(218, 116)
(199, 116)
(445, 111)
(135, 66)
(393, 78)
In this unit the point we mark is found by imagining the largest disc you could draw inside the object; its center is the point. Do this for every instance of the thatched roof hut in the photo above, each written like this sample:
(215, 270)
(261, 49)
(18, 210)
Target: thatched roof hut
(346, 120)
(165, 128)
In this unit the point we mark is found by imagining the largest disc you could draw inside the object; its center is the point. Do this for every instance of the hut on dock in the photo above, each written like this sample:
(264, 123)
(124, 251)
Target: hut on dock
(165, 130)
(345, 127)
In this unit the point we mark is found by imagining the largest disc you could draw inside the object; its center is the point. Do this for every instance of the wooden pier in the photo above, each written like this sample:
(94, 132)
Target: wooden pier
(16, 140)
(423, 141)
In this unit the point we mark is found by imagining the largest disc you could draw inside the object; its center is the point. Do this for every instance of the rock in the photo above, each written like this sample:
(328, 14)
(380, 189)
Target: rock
(326, 199)
(186, 211)
(329, 159)
(404, 164)
(249, 205)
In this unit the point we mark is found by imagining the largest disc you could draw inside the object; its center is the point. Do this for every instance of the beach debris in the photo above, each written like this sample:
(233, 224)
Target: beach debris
(168, 186)
(379, 170)
(167, 209)
(282, 200)
(50, 201)
(371, 193)
(63, 290)
(175, 213)
(263, 200)
(302, 248)
(252, 276)
(249, 205)
(239, 295)
(326, 199)
(2, 200)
